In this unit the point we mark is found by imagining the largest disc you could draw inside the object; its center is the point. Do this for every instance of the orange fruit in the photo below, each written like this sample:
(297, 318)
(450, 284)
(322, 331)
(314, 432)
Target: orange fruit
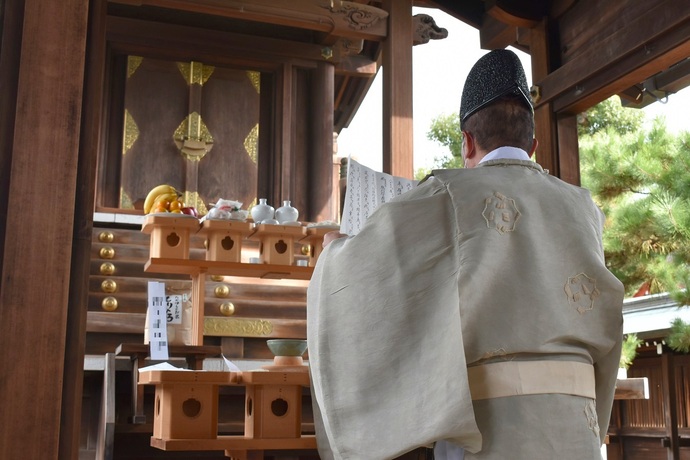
(175, 205)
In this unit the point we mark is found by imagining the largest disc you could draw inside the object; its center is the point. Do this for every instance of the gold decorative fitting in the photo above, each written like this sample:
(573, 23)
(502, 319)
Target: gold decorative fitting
(237, 327)
(195, 73)
(251, 143)
(109, 286)
(227, 309)
(222, 291)
(131, 133)
(106, 237)
(535, 94)
(125, 200)
(327, 53)
(109, 304)
(255, 79)
(107, 268)
(306, 249)
(106, 252)
(133, 63)
(217, 278)
(193, 138)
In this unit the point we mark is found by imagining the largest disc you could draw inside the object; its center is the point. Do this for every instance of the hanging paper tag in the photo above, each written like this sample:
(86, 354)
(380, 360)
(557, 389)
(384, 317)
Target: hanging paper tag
(158, 328)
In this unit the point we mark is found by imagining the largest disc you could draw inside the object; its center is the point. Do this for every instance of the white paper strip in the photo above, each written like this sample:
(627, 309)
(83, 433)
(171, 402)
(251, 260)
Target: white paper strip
(158, 326)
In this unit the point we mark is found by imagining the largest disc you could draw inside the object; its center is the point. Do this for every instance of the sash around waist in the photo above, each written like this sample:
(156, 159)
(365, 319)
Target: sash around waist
(514, 378)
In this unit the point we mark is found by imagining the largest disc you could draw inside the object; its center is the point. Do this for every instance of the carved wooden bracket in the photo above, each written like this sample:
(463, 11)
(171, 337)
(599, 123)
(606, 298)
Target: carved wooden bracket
(425, 29)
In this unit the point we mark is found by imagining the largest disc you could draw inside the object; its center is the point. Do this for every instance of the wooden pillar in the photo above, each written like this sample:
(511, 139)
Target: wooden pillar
(36, 262)
(282, 185)
(397, 90)
(670, 408)
(321, 206)
(544, 118)
(568, 149)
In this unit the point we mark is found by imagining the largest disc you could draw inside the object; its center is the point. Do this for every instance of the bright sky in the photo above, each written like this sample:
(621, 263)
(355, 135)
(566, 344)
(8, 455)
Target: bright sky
(439, 71)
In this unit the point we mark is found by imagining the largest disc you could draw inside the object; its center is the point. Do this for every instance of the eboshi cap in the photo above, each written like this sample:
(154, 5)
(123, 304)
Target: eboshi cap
(496, 74)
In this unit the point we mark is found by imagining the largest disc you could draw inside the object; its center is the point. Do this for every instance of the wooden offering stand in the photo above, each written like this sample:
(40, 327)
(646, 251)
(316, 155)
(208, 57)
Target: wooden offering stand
(314, 238)
(224, 238)
(276, 242)
(170, 234)
(186, 410)
(186, 404)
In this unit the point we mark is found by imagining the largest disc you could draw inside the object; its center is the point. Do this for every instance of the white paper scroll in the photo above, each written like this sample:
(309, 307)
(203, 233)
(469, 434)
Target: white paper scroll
(367, 190)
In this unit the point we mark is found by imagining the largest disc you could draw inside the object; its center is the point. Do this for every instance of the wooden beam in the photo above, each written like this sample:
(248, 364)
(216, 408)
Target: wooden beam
(34, 300)
(635, 68)
(193, 44)
(640, 45)
(339, 18)
(397, 91)
(495, 34)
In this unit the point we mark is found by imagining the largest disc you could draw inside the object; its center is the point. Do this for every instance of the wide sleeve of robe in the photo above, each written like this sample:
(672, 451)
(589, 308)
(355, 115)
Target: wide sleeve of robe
(386, 356)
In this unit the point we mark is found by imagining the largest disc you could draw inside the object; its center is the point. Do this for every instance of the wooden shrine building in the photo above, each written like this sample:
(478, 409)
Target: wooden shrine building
(100, 100)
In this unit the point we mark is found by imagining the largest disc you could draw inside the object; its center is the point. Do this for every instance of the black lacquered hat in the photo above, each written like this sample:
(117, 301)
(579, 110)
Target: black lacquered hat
(496, 74)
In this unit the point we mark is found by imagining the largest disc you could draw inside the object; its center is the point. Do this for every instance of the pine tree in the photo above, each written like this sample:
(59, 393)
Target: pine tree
(641, 180)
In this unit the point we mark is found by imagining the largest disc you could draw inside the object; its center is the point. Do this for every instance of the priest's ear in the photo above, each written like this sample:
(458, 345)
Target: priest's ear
(469, 149)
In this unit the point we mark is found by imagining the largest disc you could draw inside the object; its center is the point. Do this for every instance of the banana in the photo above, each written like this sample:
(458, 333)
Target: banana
(154, 193)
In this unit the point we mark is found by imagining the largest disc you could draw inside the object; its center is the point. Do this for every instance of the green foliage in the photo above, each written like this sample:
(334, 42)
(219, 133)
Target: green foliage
(629, 350)
(642, 182)
(607, 114)
(679, 336)
(445, 130)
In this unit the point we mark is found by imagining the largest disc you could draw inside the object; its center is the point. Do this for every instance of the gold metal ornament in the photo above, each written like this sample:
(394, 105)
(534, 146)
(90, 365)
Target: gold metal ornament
(109, 304)
(193, 138)
(306, 249)
(217, 278)
(195, 73)
(222, 291)
(108, 286)
(106, 237)
(106, 252)
(237, 327)
(107, 268)
(227, 309)
(131, 133)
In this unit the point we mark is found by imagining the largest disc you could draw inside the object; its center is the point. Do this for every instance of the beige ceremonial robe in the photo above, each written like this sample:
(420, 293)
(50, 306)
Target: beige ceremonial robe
(498, 263)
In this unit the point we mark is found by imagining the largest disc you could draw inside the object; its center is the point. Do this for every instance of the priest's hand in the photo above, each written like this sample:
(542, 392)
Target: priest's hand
(330, 236)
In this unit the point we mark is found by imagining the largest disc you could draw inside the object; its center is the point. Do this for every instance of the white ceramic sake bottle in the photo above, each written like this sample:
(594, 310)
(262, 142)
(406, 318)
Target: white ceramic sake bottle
(262, 211)
(286, 213)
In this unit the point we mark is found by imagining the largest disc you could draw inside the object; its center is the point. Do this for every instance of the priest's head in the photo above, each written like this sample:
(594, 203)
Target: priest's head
(496, 109)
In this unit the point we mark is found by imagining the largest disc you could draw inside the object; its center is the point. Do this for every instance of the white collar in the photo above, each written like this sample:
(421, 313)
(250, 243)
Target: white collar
(501, 153)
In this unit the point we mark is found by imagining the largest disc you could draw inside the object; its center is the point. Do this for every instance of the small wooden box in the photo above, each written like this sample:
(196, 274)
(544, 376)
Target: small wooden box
(170, 234)
(273, 408)
(277, 242)
(186, 404)
(224, 239)
(314, 238)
